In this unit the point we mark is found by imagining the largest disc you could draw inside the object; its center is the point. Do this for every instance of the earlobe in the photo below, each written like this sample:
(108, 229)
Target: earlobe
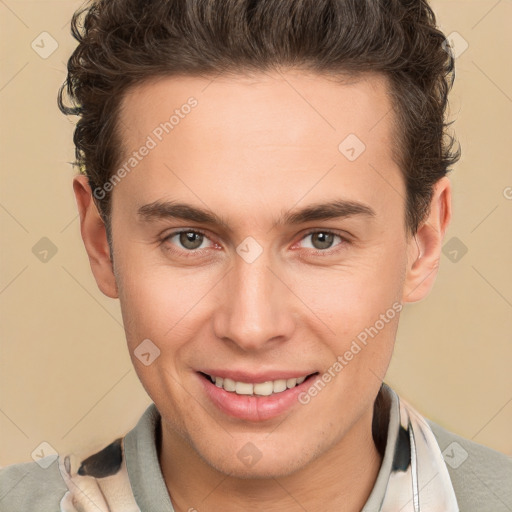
(94, 235)
(424, 250)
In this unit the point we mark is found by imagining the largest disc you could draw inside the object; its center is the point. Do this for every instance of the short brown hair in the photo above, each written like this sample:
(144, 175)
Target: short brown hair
(125, 42)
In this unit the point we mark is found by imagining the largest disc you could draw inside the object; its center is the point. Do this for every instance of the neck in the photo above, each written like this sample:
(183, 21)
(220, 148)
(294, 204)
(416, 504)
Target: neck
(341, 479)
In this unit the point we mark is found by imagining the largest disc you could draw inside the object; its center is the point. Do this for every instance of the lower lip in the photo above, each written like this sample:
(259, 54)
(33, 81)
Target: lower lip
(254, 408)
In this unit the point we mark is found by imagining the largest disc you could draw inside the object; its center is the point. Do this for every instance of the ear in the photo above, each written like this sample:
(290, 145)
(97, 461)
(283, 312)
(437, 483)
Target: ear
(94, 235)
(424, 249)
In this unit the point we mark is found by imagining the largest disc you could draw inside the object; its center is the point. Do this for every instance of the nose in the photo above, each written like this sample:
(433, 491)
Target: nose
(256, 308)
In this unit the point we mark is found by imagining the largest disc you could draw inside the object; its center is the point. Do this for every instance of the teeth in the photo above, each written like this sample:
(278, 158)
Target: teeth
(279, 385)
(242, 388)
(262, 388)
(228, 385)
(290, 383)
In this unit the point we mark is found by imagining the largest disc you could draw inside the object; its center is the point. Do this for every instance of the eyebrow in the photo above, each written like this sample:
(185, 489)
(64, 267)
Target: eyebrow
(339, 208)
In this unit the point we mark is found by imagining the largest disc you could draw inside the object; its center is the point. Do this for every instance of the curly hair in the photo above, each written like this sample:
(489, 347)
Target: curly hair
(123, 43)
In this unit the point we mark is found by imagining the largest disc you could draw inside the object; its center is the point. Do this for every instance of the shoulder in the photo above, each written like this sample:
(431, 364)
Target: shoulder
(32, 486)
(481, 476)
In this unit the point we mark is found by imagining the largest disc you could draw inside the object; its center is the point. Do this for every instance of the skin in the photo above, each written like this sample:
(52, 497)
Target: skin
(252, 149)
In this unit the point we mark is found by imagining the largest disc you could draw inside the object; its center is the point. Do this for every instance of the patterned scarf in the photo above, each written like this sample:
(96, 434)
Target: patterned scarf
(419, 480)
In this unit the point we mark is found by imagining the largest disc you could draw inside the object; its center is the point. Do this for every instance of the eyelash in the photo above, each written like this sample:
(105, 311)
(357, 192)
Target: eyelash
(315, 252)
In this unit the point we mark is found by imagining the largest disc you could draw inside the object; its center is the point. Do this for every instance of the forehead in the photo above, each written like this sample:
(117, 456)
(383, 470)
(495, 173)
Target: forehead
(266, 102)
(270, 138)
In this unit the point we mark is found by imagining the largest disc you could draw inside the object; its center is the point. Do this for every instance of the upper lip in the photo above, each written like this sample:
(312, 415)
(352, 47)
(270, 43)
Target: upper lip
(249, 377)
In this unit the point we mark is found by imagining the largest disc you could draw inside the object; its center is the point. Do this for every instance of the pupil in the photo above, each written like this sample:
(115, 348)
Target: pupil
(325, 244)
(190, 240)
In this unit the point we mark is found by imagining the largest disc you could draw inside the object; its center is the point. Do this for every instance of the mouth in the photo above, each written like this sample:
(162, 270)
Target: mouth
(255, 397)
(267, 388)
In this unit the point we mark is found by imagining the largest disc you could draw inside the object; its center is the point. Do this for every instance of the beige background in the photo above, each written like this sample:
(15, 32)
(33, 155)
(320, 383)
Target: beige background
(66, 377)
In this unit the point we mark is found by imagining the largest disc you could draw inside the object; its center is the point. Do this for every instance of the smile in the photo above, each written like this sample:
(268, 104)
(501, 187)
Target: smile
(261, 388)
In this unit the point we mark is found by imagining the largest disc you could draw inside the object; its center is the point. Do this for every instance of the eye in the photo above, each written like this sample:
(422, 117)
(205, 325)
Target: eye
(322, 240)
(189, 240)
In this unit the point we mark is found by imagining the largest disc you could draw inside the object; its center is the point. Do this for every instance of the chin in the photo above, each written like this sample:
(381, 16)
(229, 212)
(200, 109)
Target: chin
(249, 462)
(259, 471)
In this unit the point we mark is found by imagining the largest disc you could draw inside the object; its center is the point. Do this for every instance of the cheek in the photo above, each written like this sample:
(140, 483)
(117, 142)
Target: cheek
(155, 297)
(354, 295)
(359, 306)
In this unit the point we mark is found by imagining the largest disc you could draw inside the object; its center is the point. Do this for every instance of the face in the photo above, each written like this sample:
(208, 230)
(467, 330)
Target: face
(226, 261)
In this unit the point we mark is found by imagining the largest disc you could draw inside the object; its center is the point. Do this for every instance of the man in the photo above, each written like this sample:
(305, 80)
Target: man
(263, 187)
